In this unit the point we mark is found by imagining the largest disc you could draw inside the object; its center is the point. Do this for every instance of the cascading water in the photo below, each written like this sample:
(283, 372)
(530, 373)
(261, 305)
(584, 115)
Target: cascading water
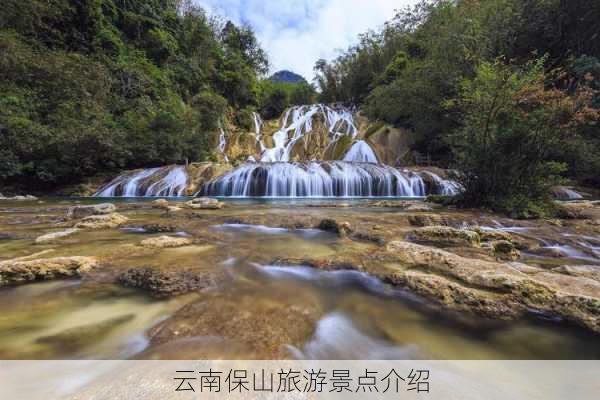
(318, 179)
(361, 152)
(339, 122)
(223, 144)
(447, 187)
(153, 182)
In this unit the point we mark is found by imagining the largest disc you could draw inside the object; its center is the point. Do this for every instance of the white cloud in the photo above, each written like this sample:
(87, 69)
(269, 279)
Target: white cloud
(296, 33)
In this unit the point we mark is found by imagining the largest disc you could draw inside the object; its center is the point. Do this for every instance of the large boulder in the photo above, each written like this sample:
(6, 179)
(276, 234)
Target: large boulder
(95, 209)
(445, 236)
(103, 221)
(13, 272)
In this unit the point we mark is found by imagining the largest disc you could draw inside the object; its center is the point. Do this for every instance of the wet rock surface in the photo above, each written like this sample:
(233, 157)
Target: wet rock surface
(266, 326)
(445, 236)
(14, 272)
(103, 221)
(51, 237)
(163, 242)
(204, 203)
(95, 209)
(163, 284)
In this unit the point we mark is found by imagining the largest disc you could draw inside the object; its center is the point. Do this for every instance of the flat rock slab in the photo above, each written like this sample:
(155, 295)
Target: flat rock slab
(104, 221)
(51, 237)
(164, 284)
(163, 242)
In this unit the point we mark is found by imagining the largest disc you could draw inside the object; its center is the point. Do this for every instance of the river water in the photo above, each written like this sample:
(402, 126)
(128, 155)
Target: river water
(355, 315)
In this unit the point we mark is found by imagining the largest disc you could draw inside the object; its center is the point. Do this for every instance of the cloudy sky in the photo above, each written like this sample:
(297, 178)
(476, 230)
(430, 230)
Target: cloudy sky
(296, 33)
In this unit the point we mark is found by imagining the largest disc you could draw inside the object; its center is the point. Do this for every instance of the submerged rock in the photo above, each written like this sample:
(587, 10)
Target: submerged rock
(13, 272)
(164, 284)
(104, 221)
(204, 203)
(76, 338)
(427, 220)
(50, 237)
(95, 209)
(163, 242)
(159, 228)
(445, 236)
(266, 325)
(331, 225)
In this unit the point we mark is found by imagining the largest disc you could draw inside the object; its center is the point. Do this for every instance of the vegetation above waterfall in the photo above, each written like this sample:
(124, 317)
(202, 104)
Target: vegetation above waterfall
(98, 85)
(504, 90)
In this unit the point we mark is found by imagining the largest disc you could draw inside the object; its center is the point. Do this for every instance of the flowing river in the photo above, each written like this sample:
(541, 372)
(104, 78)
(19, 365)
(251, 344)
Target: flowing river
(255, 305)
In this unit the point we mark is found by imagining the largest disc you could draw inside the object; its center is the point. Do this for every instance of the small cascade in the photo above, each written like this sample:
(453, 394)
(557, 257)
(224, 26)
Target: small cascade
(297, 122)
(361, 152)
(154, 182)
(223, 144)
(320, 179)
(447, 187)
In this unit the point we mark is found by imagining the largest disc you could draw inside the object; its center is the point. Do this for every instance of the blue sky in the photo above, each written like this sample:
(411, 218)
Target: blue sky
(296, 33)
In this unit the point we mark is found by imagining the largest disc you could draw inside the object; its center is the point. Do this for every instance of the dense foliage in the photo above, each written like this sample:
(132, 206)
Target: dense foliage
(96, 85)
(433, 68)
(275, 97)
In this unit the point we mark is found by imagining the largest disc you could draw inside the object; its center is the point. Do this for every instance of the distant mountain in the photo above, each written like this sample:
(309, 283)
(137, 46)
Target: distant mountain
(287, 77)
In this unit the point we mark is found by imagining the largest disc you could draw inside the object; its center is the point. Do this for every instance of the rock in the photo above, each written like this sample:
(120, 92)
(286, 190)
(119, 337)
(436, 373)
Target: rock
(19, 198)
(587, 271)
(13, 272)
(163, 242)
(419, 208)
(489, 235)
(105, 221)
(505, 250)
(267, 325)
(159, 228)
(574, 209)
(426, 220)
(331, 225)
(86, 211)
(172, 209)
(445, 236)
(50, 237)
(160, 204)
(565, 193)
(166, 284)
(204, 203)
(77, 338)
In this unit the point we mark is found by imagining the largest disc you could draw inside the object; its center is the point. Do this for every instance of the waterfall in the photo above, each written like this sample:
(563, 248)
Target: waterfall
(446, 187)
(320, 179)
(222, 144)
(155, 182)
(339, 122)
(361, 152)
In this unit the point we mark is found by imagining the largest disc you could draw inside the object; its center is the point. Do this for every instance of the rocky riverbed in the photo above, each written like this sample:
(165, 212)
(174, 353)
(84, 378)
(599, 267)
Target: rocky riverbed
(205, 278)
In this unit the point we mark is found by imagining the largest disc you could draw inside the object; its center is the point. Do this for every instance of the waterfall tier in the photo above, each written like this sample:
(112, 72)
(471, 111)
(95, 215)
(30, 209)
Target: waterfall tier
(157, 182)
(325, 179)
(297, 122)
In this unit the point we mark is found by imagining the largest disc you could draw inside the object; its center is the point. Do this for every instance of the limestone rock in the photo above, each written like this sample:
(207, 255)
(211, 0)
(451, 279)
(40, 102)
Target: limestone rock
(19, 198)
(331, 225)
(204, 203)
(95, 209)
(103, 221)
(574, 209)
(419, 208)
(163, 242)
(160, 204)
(13, 272)
(426, 220)
(505, 250)
(50, 237)
(159, 228)
(445, 236)
(168, 283)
